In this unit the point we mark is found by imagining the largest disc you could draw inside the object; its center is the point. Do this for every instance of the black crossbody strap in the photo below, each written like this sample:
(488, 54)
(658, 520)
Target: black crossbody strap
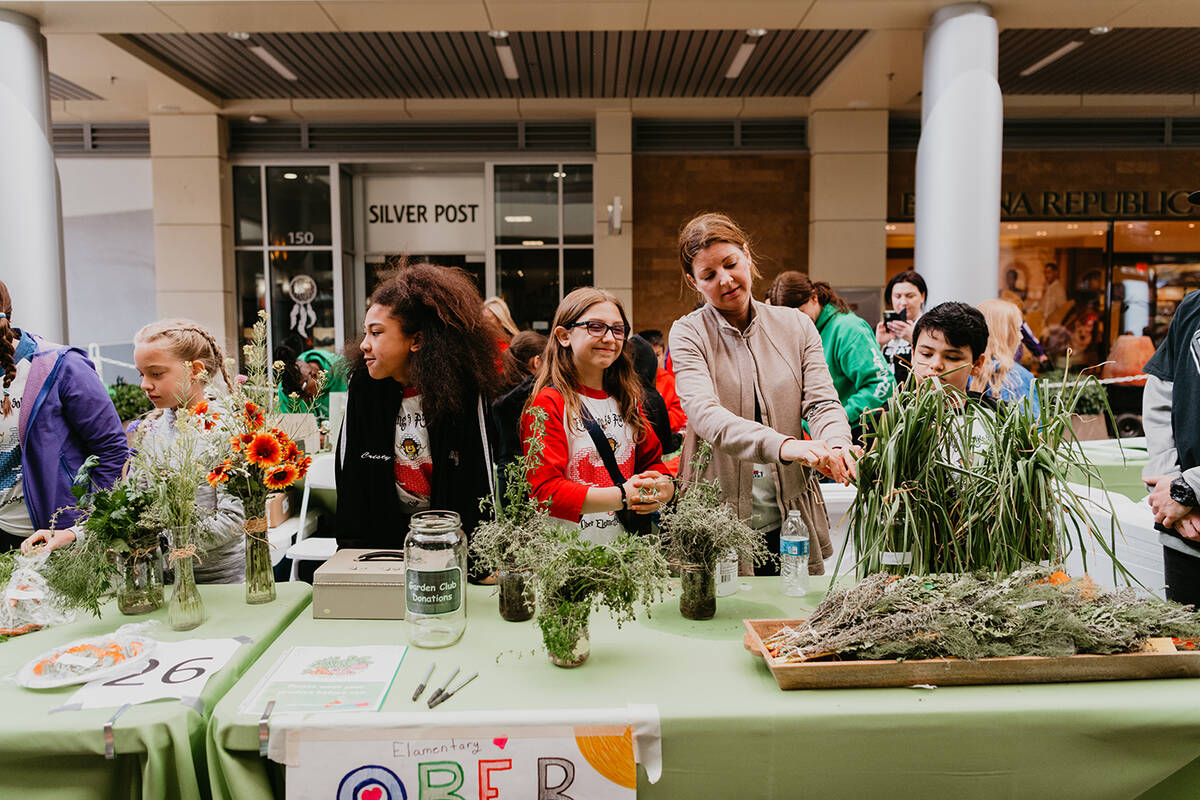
(602, 446)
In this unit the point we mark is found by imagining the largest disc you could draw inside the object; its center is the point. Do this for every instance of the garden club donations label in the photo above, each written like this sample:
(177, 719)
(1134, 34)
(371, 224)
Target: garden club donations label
(436, 591)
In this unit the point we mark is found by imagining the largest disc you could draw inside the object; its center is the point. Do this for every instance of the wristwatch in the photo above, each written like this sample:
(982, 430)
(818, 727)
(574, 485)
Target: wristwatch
(1182, 493)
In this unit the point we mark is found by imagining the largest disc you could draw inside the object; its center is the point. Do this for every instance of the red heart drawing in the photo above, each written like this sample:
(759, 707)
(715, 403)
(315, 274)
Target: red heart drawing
(500, 742)
(373, 793)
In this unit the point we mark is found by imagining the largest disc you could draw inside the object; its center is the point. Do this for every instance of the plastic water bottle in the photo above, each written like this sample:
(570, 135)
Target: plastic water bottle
(727, 574)
(793, 555)
(435, 560)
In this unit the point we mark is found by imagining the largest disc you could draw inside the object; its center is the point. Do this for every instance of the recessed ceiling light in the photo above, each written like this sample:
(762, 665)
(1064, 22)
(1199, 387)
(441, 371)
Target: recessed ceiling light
(1100, 30)
(1050, 59)
(1158, 233)
(519, 218)
(290, 176)
(507, 63)
(498, 34)
(1042, 233)
(274, 63)
(889, 227)
(258, 119)
(757, 33)
(532, 242)
(169, 107)
(241, 36)
(739, 60)
(1011, 227)
(560, 174)
(1191, 224)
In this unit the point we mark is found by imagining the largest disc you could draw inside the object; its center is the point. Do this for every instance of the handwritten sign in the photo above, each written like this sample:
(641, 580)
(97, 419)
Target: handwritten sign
(555, 763)
(177, 669)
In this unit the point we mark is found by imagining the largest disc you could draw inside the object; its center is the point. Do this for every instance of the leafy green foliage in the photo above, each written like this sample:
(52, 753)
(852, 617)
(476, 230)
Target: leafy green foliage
(129, 400)
(519, 518)
(568, 569)
(960, 486)
(1030, 612)
(1084, 395)
(117, 520)
(701, 528)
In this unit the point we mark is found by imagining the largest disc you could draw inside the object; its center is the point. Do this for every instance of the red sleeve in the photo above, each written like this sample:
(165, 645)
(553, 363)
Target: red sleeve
(665, 383)
(549, 480)
(648, 455)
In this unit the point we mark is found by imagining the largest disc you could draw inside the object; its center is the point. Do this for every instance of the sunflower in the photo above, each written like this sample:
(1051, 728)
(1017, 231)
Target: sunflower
(280, 477)
(220, 474)
(264, 450)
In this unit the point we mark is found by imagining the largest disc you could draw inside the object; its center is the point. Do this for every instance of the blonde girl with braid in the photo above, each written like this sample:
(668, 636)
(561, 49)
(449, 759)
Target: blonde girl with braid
(182, 365)
(54, 414)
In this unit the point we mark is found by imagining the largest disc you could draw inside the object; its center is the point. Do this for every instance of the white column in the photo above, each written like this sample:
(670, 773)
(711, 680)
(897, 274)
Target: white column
(958, 159)
(31, 261)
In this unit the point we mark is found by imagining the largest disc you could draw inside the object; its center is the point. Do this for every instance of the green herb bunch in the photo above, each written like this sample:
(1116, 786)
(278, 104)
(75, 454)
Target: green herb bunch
(700, 528)
(957, 486)
(571, 574)
(121, 520)
(519, 518)
(1030, 612)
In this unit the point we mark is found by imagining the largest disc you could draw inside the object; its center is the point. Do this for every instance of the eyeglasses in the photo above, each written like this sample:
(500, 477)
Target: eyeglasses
(597, 329)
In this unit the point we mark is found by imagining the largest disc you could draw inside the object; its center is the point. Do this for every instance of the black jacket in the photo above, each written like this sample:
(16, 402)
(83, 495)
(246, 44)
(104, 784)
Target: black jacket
(645, 364)
(369, 512)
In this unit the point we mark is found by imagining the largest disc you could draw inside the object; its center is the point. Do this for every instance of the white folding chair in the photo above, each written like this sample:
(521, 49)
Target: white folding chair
(320, 476)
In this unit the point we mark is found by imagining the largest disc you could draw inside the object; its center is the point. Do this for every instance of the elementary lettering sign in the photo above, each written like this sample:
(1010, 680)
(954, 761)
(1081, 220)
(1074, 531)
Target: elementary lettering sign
(424, 213)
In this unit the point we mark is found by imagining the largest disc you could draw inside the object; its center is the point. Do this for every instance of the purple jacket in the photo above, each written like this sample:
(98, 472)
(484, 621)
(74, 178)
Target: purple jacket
(66, 416)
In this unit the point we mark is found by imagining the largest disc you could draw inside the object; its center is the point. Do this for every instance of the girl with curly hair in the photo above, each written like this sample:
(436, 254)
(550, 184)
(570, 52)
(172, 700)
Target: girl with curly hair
(415, 435)
(594, 422)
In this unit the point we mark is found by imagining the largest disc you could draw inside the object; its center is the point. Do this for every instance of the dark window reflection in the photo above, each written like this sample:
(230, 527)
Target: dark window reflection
(298, 206)
(247, 205)
(528, 282)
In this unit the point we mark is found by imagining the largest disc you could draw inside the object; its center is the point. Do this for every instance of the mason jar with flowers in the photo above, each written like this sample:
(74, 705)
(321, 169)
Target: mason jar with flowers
(262, 459)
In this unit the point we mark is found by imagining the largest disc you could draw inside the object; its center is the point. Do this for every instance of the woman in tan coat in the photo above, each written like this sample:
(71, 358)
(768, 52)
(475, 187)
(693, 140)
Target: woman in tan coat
(749, 375)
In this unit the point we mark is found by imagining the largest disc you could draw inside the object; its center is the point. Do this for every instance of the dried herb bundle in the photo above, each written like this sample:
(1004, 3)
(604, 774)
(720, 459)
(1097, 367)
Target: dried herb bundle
(1031, 612)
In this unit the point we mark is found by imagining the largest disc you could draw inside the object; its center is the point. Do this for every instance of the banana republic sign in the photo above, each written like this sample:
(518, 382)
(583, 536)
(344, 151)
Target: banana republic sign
(1082, 204)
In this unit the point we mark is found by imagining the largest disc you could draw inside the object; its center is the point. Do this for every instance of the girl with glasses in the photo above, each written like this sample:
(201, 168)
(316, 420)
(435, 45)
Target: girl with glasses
(592, 398)
(750, 375)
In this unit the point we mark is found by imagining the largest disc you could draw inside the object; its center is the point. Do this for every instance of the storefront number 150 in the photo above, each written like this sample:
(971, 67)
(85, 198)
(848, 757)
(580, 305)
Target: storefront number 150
(300, 237)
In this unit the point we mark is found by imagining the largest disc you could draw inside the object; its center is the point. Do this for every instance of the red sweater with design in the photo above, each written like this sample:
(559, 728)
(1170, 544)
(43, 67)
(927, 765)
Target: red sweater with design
(570, 464)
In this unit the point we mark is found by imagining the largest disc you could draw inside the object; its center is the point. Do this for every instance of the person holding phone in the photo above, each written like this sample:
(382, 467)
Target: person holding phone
(907, 293)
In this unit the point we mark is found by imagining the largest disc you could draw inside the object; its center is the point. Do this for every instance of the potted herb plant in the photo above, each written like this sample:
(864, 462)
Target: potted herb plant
(951, 485)
(699, 530)
(515, 521)
(1089, 407)
(573, 577)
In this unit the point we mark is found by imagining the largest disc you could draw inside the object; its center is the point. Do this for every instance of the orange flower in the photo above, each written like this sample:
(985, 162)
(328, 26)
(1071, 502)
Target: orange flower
(292, 452)
(264, 450)
(200, 409)
(280, 477)
(254, 416)
(1059, 577)
(220, 474)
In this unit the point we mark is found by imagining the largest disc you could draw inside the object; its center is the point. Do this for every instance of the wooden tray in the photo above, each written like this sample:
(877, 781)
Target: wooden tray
(1160, 660)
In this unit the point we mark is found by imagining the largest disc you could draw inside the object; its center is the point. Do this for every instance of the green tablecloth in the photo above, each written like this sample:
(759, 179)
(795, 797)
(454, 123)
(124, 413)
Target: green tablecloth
(159, 745)
(728, 731)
